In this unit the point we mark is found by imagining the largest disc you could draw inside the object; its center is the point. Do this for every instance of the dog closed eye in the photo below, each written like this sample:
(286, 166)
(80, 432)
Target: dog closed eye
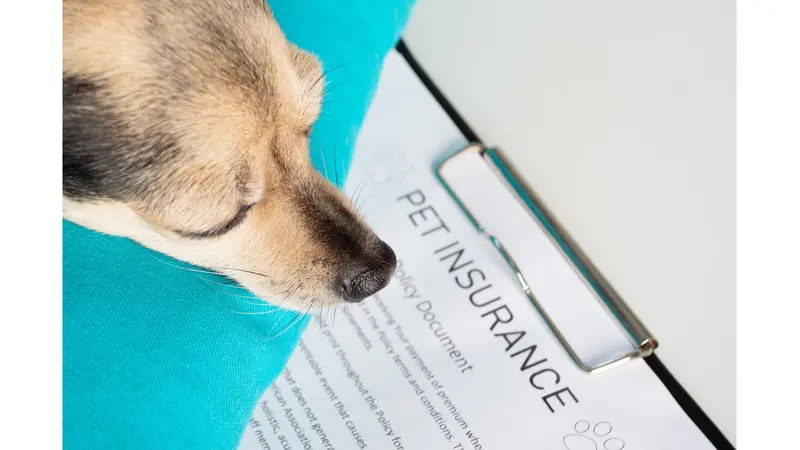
(220, 229)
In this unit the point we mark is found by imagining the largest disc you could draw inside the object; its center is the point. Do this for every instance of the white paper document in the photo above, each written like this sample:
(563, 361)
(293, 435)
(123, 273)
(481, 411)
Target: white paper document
(452, 354)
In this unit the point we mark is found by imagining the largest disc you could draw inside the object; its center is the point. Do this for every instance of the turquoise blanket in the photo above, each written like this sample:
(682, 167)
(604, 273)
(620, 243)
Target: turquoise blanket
(159, 357)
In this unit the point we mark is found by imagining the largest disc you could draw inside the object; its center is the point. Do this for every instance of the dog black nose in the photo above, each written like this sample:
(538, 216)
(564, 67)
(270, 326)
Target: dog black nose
(368, 275)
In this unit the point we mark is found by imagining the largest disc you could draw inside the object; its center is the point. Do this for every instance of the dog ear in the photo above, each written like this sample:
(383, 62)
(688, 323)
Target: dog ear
(102, 156)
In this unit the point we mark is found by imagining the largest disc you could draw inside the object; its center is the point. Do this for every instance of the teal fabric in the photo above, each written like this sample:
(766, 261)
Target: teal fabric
(160, 357)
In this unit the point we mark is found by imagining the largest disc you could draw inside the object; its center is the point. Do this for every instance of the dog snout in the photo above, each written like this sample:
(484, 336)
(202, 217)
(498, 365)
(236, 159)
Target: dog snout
(368, 274)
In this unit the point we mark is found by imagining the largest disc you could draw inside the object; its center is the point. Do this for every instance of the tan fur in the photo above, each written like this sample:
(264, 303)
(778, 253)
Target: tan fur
(241, 137)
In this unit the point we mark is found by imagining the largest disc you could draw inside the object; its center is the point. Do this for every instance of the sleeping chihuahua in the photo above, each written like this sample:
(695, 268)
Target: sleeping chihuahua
(186, 127)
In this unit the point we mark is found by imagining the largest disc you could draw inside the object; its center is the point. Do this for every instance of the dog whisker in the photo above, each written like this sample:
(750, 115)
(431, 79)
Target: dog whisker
(245, 297)
(276, 323)
(331, 88)
(231, 294)
(276, 306)
(336, 166)
(324, 166)
(358, 204)
(285, 295)
(188, 269)
(319, 319)
(244, 271)
(337, 100)
(327, 71)
(338, 64)
(357, 191)
(231, 285)
(363, 213)
(256, 313)
(341, 64)
(295, 320)
(324, 314)
(322, 77)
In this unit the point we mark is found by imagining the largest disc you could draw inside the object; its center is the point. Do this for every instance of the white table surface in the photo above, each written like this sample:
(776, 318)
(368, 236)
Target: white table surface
(621, 115)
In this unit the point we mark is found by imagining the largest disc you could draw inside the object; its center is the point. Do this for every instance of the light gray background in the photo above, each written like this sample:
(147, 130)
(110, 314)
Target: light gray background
(621, 115)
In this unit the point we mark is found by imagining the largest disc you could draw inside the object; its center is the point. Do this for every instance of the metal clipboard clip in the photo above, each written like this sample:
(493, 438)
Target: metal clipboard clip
(641, 339)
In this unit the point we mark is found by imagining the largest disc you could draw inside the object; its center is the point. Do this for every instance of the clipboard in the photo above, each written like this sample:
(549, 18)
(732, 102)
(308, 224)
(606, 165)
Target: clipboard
(643, 342)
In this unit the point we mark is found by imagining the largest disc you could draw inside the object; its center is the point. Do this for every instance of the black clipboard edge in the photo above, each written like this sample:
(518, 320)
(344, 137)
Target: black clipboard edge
(684, 400)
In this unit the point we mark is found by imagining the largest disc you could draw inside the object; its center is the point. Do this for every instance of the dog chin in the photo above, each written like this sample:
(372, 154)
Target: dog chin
(289, 298)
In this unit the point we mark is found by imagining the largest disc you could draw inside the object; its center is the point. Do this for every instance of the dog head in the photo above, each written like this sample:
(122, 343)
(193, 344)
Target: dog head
(186, 127)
